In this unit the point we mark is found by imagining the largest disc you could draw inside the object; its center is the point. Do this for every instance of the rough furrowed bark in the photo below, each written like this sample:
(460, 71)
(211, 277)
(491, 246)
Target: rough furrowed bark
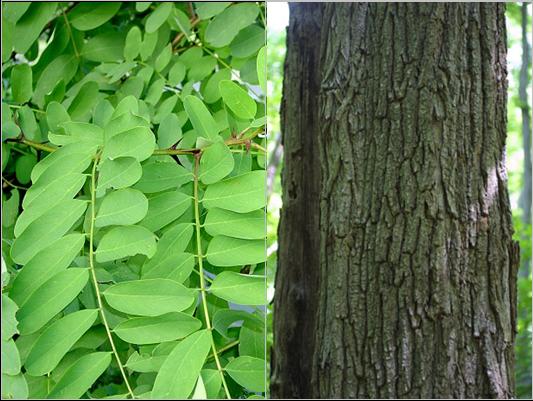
(416, 291)
(296, 281)
(417, 264)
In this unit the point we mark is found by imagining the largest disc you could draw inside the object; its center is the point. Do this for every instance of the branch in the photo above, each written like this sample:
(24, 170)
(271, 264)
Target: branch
(157, 152)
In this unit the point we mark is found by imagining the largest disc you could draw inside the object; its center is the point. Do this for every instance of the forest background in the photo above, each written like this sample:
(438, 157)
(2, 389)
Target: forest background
(516, 150)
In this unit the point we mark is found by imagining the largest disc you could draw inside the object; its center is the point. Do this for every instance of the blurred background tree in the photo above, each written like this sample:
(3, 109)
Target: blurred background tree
(518, 162)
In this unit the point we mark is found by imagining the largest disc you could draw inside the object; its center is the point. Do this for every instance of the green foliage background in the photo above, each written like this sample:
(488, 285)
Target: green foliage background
(133, 246)
(276, 55)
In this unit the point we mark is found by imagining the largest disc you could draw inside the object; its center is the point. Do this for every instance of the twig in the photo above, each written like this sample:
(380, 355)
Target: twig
(181, 35)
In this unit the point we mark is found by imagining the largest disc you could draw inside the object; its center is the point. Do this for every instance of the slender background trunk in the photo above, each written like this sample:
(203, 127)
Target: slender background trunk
(298, 235)
(416, 289)
(525, 196)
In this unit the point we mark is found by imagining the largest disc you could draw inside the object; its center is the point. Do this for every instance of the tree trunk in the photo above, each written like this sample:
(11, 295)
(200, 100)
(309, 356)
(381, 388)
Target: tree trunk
(298, 235)
(416, 288)
(525, 196)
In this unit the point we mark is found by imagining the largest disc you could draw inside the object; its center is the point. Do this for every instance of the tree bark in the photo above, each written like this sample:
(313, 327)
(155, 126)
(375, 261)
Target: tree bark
(416, 288)
(298, 235)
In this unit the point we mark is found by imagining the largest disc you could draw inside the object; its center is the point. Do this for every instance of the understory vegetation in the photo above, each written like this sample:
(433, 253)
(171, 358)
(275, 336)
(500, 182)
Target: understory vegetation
(133, 176)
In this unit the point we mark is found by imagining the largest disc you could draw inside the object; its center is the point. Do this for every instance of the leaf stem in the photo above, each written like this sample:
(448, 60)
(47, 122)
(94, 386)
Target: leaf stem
(9, 183)
(16, 106)
(37, 145)
(70, 33)
(224, 348)
(95, 280)
(207, 278)
(201, 271)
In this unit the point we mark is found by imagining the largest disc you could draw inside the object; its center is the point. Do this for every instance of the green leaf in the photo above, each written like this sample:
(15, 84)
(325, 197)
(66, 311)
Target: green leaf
(124, 122)
(118, 173)
(237, 225)
(252, 341)
(165, 108)
(212, 382)
(248, 41)
(58, 338)
(46, 229)
(23, 167)
(201, 119)
(80, 376)
(10, 358)
(176, 73)
(50, 261)
(238, 100)
(138, 142)
(164, 208)
(227, 251)
(92, 338)
(155, 91)
(169, 132)
(46, 194)
(129, 105)
(28, 124)
(122, 207)
(87, 16)
(14, 387)
(141, 6)
(9, 321)
(10, 130)
(61, 68)
(216, 163)
(226, 25)
(148, 45)
(104, 47)
(208, 9)
(191, 56)
(261, 68)
(249, 372)
(8, 29)
(102, 113)
(13, 11)
(160, 176)
(199, 392)
(152, 297)
(169, 261)
(57, 94)
(56, 114)
(77, 132)
(10, 208)
(21, 83)
(163, 58)
(176, 266)
(179, 21)
(157, 329)
(239, 288)
(125, 241)
(241, 194)
(224, 318)
(132, 47)
(50, 299)
(203, 68)
(29, 26)
(73, 158)
(179, 373)
(82, 105)
(211, 91)
(158, 17)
